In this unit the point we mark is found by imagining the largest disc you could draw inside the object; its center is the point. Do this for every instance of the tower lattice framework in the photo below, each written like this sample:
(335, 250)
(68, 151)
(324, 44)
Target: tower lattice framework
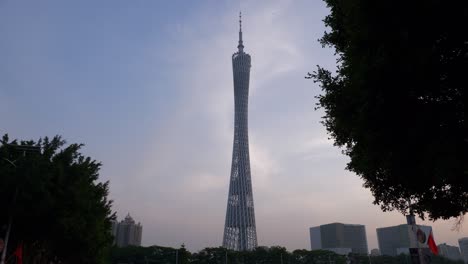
(239, 231)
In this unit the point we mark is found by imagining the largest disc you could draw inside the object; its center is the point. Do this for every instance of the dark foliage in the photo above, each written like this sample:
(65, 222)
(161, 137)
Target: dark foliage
(261, 255)
(61, 211)
(400, 259)
(148, 255)
(397, 103)
(219, 255)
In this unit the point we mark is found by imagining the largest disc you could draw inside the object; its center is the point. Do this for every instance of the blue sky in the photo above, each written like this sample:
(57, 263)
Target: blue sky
(147, 86)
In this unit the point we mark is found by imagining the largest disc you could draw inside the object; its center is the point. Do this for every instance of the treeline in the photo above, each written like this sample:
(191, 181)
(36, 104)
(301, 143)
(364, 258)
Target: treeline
(54, 207)
(261, 255)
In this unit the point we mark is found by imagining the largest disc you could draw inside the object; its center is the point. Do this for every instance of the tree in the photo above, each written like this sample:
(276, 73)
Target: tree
(397, 103)
(61, 211)
(150, 255)
(303, 256)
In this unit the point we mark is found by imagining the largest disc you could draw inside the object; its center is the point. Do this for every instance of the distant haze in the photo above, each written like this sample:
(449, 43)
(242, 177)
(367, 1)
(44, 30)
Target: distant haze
(147, 86)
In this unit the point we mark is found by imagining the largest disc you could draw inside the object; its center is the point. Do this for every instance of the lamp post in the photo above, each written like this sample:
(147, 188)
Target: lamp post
(24, 149)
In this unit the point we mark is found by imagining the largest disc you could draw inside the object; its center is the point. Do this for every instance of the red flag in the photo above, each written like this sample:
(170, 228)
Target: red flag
(19, 254)
(432, 245)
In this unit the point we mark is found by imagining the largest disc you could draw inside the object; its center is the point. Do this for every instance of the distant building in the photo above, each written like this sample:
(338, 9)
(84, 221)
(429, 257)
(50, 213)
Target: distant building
(339, 238)
(127, 233)
(463, 243)
(115, 225)
(375, 252)
(450, 252)
(396, 240)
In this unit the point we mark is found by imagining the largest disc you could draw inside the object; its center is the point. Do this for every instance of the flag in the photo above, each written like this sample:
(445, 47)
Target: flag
(19, 254)
(432, 245)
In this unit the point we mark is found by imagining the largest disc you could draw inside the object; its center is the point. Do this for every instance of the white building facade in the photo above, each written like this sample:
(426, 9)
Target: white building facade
(127, 232)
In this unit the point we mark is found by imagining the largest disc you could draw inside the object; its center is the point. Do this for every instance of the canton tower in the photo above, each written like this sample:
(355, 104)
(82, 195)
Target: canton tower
(239, 230)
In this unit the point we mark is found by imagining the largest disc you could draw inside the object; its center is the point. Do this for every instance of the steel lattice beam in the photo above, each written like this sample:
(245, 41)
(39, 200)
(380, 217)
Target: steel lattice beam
(240, 231)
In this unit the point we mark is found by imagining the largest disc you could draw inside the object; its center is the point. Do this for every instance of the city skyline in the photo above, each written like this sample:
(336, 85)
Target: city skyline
(148, 88)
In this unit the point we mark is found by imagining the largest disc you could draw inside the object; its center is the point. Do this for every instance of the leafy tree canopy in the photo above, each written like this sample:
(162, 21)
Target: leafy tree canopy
(147, 255)
(220, 255)
(397, 103)
(61, 211)
(260, 255)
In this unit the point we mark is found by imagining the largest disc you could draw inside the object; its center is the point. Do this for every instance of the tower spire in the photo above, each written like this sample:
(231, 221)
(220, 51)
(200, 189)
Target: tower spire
(241, 45)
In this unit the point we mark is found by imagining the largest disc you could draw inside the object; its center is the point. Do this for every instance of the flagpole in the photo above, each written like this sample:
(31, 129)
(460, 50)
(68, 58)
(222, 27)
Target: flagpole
(411, 221)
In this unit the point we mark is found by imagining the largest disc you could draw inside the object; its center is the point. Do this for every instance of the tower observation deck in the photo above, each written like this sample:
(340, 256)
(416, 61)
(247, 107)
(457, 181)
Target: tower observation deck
(239, 230)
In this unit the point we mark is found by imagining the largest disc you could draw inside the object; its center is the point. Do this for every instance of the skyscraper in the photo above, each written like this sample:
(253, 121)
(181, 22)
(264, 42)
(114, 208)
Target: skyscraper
(127, 232)
(339, 238)
(239, 229)
(394, 240)
(463, 243)
(450, 252)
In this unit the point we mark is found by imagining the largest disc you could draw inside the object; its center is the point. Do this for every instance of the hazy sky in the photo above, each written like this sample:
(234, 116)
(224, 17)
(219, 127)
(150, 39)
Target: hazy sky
(147, 86)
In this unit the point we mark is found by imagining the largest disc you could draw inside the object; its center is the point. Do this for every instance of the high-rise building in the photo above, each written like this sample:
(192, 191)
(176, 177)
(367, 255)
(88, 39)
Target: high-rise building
(115, 226)
(463, 243)
(239, 229)
(396, 240)
(375, 252)
(339, 238)
(450, 252)
(127, 233)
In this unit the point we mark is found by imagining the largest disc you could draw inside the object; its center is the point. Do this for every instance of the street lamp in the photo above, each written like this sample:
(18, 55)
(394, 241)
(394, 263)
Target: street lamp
(10, 218)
